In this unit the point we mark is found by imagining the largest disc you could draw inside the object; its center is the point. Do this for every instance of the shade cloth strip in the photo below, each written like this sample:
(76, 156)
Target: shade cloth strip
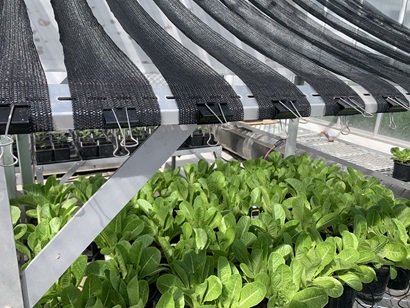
(296, 21)
(369, 23)
(379, 88)
(22, 78)
(189, 78)
(317, 10)
(100, 75)
(265, 83)
(324, 82)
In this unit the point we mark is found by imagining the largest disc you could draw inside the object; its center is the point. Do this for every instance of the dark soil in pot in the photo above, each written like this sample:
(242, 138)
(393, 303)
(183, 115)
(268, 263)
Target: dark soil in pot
(373, 292)
(345, 301)
(402, 280)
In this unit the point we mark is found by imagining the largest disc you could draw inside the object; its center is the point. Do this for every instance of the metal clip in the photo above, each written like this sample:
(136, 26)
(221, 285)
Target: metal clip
(135, 141)
(396, 101)
(355, 105)
(213, 113)
(296, 113)
(118, 145)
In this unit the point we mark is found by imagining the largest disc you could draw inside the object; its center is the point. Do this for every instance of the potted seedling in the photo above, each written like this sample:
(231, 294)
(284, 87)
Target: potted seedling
(61, 146)
(104, 142)
(401, 168)
(88, 145)
(44, 148)
(196, 139)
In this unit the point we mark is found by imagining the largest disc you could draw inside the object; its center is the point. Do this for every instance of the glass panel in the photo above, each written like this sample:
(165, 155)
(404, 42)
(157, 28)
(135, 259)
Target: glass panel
(402, 120)
(360, 122)
(391, 8)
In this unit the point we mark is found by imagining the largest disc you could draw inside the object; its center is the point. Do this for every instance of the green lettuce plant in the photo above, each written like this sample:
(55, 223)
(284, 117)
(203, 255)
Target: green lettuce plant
(402, 156)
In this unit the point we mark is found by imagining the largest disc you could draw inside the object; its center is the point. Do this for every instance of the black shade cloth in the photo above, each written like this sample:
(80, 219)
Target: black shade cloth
(325, 83)
(100, 75)
(22, 78)
(379, 88)
(368, 22)
(190, 79)
(293, 19)
(318, 11)
(265, 83)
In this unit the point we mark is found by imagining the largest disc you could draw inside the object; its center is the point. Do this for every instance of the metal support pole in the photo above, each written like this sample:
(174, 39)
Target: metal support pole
(379, 118)
(103, 206)
(10, 287)
(24, 155)
(403, 11)
(290, 148)
(9, 171)
(71, 171)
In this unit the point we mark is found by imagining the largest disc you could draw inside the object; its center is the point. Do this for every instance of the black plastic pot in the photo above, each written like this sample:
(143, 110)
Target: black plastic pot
(373, 292)
(401, 171)
(196, 140)
(62, 154)
(402, 280)
(345, 301)
(89, 151)
(105, 150)
(44, 156)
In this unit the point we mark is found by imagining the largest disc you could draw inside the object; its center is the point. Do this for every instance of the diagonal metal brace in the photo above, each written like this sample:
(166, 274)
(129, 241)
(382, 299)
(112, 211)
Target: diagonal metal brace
(102, 207)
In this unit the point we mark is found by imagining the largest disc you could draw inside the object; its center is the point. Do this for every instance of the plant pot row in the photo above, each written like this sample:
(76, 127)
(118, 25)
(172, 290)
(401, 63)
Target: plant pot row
(373, 292)
(67, 153)
(198, 140)
(51, 153)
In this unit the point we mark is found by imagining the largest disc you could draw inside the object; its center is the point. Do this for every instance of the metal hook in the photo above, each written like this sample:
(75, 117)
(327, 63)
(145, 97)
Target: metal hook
(355, 105)
(296, 113)
(135, 141)
(210, 137)
(9, 141)
(344, 127)
(122, 137)
(392, 122)
(397, 101)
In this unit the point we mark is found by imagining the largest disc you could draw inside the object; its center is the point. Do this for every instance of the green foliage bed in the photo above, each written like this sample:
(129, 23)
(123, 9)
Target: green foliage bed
(188, 240)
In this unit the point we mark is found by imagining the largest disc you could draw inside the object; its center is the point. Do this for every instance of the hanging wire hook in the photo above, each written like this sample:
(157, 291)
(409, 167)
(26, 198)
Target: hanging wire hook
(135, 141)
(344, 127)
(118, 145)
(9, 141)
(392, 122)
(355, 105)
(296, 113)
(210, 137)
